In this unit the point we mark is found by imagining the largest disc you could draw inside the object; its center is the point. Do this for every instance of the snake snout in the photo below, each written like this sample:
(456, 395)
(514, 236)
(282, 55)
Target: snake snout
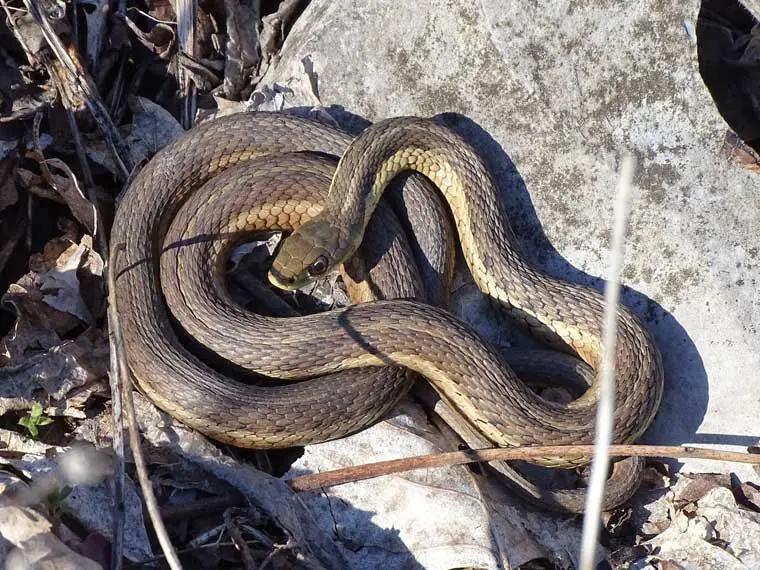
(306, 255)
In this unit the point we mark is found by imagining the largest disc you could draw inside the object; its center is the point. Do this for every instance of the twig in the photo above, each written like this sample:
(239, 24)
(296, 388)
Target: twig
(380, 468)
(184, 551)
(201, 539)
(121, 373)
(84, 84)
(606, 406)
(187, 15)
(277, 549)
(237, 537)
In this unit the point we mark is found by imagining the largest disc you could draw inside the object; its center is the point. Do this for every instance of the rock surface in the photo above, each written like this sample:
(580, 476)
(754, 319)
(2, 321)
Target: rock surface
(552, 98)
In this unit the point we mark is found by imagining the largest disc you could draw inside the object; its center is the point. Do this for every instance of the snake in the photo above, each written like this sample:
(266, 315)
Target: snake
(411, 335)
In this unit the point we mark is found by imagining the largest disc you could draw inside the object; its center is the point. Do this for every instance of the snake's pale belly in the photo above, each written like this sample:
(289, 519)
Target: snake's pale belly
(464, 369)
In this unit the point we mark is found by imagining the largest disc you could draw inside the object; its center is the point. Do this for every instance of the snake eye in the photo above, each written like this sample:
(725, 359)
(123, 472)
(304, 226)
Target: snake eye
(318, 267)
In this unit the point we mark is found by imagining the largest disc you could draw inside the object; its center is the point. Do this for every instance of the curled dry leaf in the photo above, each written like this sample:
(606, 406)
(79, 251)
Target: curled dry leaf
(70, 283)
(737, 151)
(717, 533)
(63, 287)
(242, 46)
(68, 188)
(206, 74)
(36, 547)
(63, 378)
(274, 27)
(152, 128)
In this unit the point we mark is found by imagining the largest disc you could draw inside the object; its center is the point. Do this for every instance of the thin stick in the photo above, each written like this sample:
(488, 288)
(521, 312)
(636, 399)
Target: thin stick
(380, 468)
(121, 372)
(606, 406)
(237, 538)
(185, 551)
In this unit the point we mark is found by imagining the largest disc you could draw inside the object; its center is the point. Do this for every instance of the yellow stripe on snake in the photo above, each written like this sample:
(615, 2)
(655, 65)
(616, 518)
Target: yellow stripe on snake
(326, 348)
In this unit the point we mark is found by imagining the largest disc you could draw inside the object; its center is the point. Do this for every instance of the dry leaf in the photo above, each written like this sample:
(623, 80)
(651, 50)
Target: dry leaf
(62, 379)
(38, 326)
(37, 548)
(62, 285)
(242, 53)
(96, 17)
(84, 469)
(714, 533)
(749, 494)
(68, 188)
(694, 487)
(152, 128)
(736, 151)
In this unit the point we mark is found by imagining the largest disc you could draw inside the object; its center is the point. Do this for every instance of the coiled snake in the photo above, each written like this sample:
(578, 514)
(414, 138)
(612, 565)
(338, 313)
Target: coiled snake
(467, 372)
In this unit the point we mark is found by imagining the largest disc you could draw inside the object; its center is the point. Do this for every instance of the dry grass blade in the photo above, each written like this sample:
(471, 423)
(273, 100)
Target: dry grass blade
(606, 406)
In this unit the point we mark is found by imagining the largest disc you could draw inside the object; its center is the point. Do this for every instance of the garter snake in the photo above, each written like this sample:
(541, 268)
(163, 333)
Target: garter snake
(468, 373)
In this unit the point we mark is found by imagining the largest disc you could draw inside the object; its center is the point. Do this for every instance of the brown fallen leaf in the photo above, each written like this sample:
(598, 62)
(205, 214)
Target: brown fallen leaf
(698, 485)
(62, 379)
(62, 284)
(749, 495)
(36, 547)
(62, 290)
(736, 151)
(152, 128)
(242, 54)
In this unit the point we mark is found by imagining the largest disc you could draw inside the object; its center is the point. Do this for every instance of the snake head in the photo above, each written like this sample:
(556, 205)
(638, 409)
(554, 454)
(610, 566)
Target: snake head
(308, 254)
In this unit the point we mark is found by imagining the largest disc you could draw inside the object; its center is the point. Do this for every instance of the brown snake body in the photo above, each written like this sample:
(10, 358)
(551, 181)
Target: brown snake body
(466, 371)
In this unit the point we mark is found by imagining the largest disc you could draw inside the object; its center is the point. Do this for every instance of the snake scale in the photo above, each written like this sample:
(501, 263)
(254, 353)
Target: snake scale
(467, 372)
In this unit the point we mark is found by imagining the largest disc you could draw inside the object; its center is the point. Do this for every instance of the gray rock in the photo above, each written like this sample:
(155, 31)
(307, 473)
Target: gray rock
(553, 96)
(753, 6)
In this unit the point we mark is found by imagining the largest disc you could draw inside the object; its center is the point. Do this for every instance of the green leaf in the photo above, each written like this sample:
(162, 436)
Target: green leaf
(30, 425)
(36, 410)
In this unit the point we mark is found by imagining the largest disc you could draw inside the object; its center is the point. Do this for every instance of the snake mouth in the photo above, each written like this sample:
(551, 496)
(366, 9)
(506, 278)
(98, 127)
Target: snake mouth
(286, 282)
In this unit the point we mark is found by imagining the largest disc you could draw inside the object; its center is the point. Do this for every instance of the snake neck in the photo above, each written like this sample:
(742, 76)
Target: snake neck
(562, 314)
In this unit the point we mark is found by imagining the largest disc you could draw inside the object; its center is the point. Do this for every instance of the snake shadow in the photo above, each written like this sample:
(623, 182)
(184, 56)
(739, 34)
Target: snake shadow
(686, 393)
